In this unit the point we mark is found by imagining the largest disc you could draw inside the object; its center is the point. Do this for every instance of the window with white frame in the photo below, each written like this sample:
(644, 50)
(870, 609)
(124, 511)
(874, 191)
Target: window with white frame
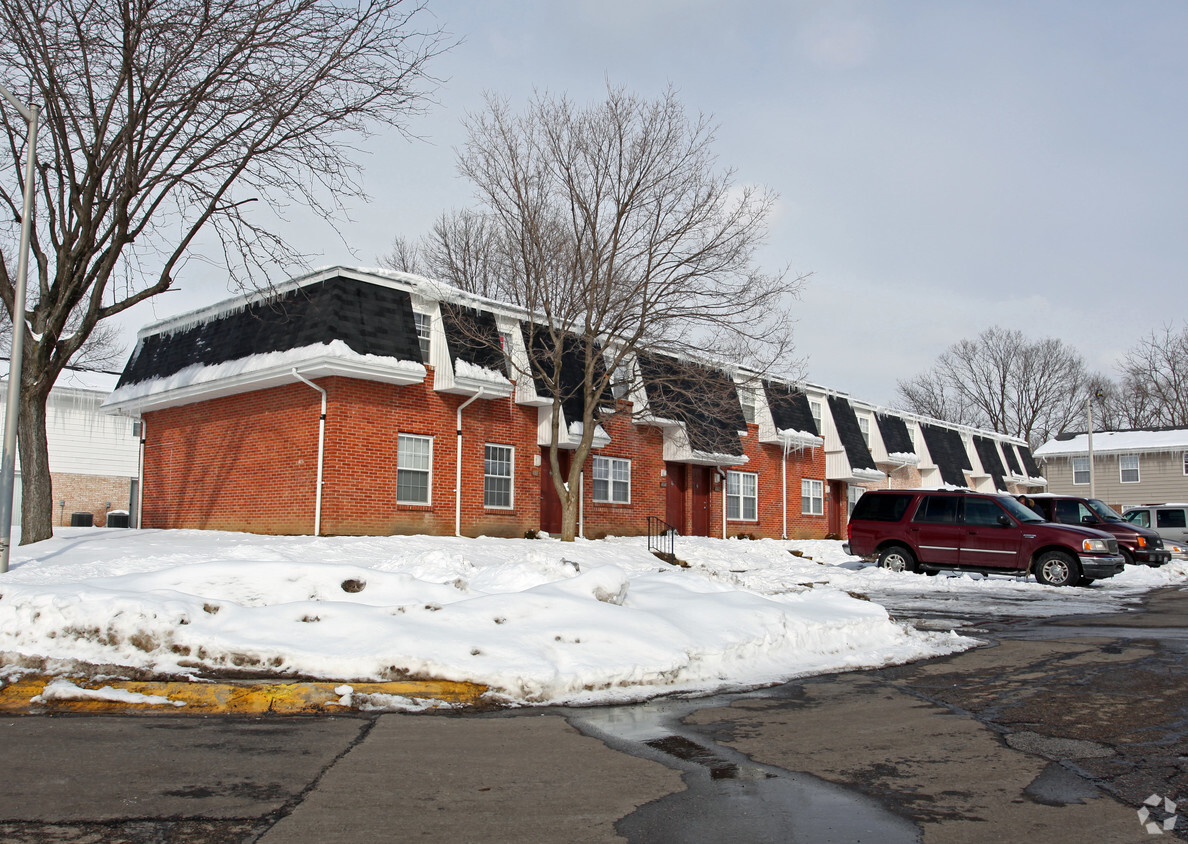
(742, 499)
(1186, 462)
(747, 397)
(815, 410)
(812, 497)
(1128, 465)
(612, 480)
(864, 427)
(1080, 470)
(853, 493)
(498, 461)
(414, 468)
(423, 322)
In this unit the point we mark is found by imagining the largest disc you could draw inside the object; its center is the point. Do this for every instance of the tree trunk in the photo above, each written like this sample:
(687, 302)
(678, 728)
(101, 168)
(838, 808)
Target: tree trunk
(37, 503)
(569, 516)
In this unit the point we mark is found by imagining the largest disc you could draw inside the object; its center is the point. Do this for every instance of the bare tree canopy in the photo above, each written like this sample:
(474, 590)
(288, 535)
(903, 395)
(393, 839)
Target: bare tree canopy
(162, 119)
(1003, 381)
(613, 224)
(1153, 390)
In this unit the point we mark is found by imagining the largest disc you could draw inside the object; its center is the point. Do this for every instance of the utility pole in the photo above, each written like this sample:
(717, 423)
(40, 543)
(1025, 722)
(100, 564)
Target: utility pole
(8, 461)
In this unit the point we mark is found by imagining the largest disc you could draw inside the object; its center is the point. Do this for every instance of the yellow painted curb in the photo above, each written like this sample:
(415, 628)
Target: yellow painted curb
(246, 698)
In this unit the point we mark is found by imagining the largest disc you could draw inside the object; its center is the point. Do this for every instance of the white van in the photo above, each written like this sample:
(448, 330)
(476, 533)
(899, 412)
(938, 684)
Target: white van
(1168, 520)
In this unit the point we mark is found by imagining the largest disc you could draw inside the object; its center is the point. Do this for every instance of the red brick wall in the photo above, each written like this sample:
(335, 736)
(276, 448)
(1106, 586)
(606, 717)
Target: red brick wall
(249, 462)
(94, 494)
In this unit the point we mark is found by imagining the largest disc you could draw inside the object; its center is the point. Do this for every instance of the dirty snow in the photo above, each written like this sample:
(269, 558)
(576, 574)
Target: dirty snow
(538, 621)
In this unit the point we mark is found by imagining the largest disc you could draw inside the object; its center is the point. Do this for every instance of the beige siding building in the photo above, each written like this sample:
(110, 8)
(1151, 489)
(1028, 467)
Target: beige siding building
(1129, 467)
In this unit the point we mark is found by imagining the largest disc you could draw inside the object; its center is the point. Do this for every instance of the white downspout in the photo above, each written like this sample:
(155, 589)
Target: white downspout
(458, 465)
(722, 475)
(321, 450)
(140, 476)
(784, 485)
(582, 504)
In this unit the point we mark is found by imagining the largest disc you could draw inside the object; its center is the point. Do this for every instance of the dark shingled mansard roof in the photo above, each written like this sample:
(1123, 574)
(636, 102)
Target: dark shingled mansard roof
(371, 319)
(1012, 461)
(850, 434)
(1029, 463)
(790, 409)
(705, 400)
(472, 336)
(539, 344)
(894, 432)
(988, 454)
(948, 453)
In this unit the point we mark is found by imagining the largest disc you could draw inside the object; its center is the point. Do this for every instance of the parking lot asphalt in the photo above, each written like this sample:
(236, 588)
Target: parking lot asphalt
(1059, 729)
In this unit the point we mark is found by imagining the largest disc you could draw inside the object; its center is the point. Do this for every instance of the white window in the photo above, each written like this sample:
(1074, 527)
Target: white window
(612, 480)
(853, 493)
(423, 321)
(864, 427)
(497, 476)
(815, 410)
(414, 465)
(1129, 466)
(747, 397)
(1080, 470)
(742, 500)
(812, 497)
(1186, 462)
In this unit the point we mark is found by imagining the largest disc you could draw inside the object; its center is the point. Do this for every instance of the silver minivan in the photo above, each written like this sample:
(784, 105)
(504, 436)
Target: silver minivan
(1168, 520)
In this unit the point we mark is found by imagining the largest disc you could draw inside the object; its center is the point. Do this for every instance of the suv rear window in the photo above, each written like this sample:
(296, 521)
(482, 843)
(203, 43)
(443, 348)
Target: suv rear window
(1170, 518)
(938, 509)
(881, 508)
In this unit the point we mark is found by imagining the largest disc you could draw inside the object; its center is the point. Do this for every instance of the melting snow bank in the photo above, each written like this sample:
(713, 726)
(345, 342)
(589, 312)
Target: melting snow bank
(536, 621)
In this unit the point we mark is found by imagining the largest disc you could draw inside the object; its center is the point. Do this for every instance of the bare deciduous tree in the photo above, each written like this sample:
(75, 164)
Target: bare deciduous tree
(612, 227)
(163, 119)
(1003, 381)
(1154, 382)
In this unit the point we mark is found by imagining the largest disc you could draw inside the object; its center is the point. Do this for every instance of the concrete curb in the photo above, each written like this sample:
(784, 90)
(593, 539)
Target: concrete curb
(233, 698)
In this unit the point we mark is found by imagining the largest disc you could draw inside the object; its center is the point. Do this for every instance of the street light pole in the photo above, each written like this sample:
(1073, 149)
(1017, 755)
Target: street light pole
(8, 461)
(1092, 475)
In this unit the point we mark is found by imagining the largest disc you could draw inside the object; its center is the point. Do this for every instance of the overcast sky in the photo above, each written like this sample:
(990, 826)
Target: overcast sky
(942, 166)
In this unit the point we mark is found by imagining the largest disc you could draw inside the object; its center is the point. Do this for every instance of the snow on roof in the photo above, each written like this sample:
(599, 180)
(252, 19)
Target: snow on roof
(272, 364)
(1115, 442)
(81, 379)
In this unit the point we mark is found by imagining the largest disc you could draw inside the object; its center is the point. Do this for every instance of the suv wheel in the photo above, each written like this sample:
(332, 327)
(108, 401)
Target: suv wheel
(897, 558)
(1055, 568)
(1127, 556)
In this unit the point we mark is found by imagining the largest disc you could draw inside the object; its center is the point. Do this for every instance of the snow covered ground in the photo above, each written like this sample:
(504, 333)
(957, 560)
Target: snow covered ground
(538, 621)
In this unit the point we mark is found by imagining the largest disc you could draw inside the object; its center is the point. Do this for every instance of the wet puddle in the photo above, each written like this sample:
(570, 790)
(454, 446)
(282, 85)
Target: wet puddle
(729, 797)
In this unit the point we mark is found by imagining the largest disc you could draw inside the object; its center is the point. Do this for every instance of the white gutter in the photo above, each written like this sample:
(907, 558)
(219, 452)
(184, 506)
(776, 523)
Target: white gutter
(458, 465)
(321, 451)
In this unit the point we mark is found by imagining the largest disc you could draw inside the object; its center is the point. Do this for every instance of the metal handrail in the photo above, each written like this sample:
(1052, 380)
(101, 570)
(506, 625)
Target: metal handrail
(661, 538)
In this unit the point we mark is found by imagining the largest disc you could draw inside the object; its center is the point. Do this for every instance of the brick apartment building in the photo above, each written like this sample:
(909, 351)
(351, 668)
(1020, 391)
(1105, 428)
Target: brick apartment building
(351, 402)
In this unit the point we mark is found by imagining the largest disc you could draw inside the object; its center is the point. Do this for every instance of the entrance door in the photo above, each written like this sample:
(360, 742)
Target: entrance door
(550, 502)
(833, 508)
(701, 483)
(674, 500)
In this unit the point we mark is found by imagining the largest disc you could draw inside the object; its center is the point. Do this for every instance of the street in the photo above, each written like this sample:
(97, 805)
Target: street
(1060, 728)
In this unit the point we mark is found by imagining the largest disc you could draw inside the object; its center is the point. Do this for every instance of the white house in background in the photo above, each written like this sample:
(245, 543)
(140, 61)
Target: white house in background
(1129, 467)
(94, 458)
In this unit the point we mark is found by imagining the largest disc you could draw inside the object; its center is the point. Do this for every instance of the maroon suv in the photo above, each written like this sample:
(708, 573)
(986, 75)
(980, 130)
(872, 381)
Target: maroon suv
(1137, 544)
(929, 530)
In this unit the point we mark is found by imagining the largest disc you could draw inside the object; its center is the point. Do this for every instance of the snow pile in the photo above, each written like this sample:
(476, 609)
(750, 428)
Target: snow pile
(536, 621)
